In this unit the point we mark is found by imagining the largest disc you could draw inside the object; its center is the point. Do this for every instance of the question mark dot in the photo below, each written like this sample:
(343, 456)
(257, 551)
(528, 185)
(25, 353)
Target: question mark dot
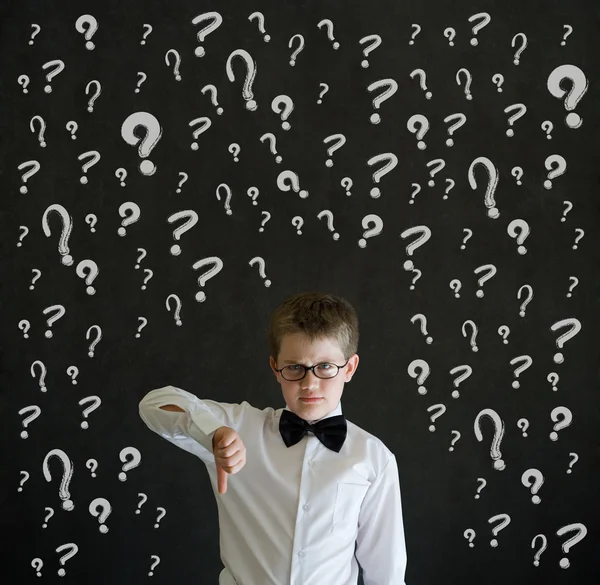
(422, 146)
(319, 101)
(375, 118)
(375, 192)
(267, 38)
(147, 167)
(522, 250)
(303, 193)
(510, 132)
(493, 213)
(278, 159)
(411, 42)
(515, 384)
(43, 144)
(292, 62)
(137, 90)
(329, 163)
(61, 572)
(362, 243)
(422, 390)
(476, 497)
(103, 528)
(474, 43)
(178, 77)
(83, 180)
(432, 428)
(48, 334)
(564, 563)
(194, 146)
(73, 137)
(408, 265)
(89, 45)
(499, 464)
(286, 126)
(455, 394)
(553, 436)
(156, 526)
(137, 335)
(122, 185)
(91, 354)
(84, 425)
(251, 105)
(199, 52)
(68, 505)
(90, 290)
(24, 434)
(431, 183)
(573, 120)
(200, 296)
(536, 499)
(143, 288)
(219, 111)
(479, 293)
(179, 323)
(569, 471)
(175, 250)
(516, 61)
(176, 191)
(236, 159)
(123, 475)
(229, 212)
(506, 340)
(23, 189)
(336, 45)
(48, 89)
(142, 42)
(90, 109)
(429, 339)
(121, 231)
(429, 94)
(137, 511)
(559, 358)
(365, 63)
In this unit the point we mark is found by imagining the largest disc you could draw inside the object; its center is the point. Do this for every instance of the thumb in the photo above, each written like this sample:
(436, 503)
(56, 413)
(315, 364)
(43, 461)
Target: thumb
(221, 479)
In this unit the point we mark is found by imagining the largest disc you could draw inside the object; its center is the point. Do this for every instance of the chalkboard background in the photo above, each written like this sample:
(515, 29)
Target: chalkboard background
(439, 360)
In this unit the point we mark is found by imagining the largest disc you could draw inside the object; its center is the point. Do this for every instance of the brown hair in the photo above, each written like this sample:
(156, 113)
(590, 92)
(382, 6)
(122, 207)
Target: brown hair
(316, 315)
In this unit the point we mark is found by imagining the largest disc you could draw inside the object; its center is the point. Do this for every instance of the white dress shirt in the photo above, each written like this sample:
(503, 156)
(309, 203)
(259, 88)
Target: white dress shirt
(293, 516)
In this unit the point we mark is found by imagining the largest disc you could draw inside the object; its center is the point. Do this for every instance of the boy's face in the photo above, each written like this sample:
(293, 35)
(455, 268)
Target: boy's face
(296, 349)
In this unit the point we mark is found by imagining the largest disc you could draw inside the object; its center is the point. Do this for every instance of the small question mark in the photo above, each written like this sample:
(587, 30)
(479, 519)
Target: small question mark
(141, 502)
(480, 488)
(161, 515)
(564, 39)
(371, 218)
(323, 92)
(72, 128)
(93, 345)
(124, 208)
(329, 215)
(121, 174)
(177, 300)
(135, 458)
(92, 465)
(148, 28)
(144, 323)
(235, 149)
(261, 24)
(376, 42)
(177, 62)
(38, 28)
(23, 480)
(261, 268)
(216, 18)
(486, 20)
(498, 434)
(92, 27)
(521, 49)
(415, 33)
(94, 155)
(441, 409)
(329, 25)
(96, 404)
(143, 78)
(73, 371)
(25, 231)
(297, 51)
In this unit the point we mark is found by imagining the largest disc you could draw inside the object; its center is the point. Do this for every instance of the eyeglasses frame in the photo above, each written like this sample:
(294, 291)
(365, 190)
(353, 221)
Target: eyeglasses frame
(312, 368)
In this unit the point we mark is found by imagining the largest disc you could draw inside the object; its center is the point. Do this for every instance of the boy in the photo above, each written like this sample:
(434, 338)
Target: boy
(317, 490)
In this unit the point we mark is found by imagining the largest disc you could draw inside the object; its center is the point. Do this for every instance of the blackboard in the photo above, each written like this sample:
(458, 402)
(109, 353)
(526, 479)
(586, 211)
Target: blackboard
(448, 190)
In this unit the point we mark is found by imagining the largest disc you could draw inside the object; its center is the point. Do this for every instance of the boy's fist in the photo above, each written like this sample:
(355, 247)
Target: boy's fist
(230, 454)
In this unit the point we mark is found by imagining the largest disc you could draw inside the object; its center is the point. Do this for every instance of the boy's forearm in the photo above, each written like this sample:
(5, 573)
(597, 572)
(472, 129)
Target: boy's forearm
(172, 408)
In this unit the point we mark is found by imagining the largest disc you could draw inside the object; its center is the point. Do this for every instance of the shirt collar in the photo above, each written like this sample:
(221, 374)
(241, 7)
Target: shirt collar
(336, 411)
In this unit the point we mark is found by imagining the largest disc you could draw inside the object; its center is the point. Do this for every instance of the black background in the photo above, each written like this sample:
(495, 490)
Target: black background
(220, 351)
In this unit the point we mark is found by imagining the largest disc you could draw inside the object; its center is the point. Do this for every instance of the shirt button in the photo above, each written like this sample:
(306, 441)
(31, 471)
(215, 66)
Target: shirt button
(306, 506)
(300, 553)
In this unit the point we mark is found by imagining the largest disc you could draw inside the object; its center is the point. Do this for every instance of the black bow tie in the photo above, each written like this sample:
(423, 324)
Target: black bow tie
(330, 431)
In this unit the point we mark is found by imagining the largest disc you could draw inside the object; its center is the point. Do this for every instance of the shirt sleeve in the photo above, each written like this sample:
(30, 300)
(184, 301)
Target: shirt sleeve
(381, 548)
(192, 430)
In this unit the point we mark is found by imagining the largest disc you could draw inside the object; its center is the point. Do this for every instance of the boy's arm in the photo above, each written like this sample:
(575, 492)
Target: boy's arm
(381, 548)
(184, 419)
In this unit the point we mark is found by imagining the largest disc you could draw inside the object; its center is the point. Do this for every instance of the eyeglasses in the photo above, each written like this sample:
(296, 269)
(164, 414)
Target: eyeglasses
(324, 370)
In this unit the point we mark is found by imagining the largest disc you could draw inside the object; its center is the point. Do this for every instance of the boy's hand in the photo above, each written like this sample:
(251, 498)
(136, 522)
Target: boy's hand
(230, 454)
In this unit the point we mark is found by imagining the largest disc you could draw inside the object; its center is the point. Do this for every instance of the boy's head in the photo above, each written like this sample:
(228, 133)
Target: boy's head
(313, 329)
